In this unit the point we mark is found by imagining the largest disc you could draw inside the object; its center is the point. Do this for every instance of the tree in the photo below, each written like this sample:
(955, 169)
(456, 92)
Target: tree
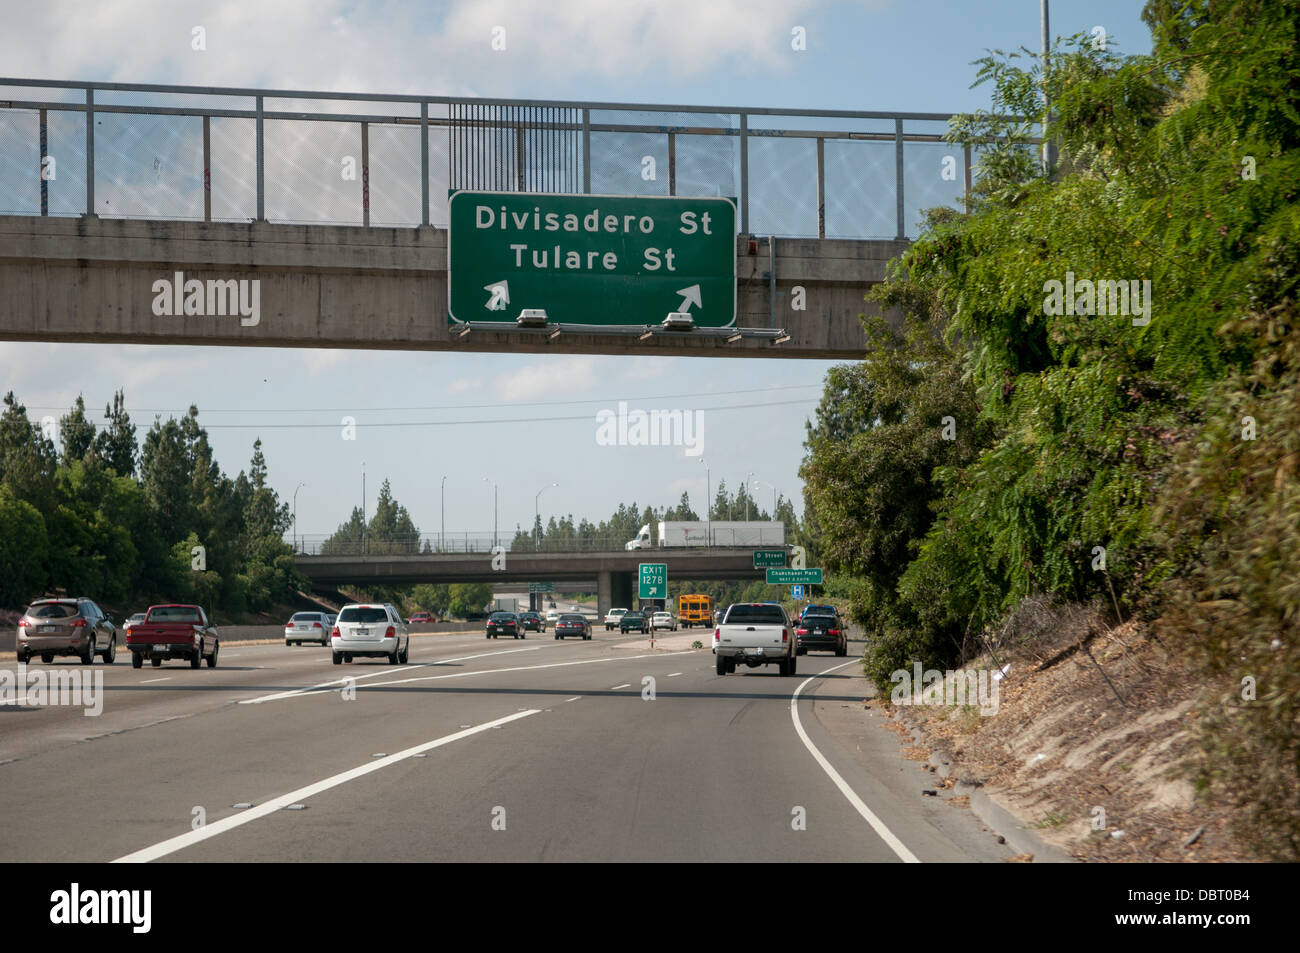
(464, 598)
(77, 433)
(23, 550)
(115, 445)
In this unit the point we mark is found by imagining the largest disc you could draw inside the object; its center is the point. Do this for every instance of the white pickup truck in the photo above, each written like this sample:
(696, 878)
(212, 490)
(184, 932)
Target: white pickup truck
(754, 634)
(613, 617)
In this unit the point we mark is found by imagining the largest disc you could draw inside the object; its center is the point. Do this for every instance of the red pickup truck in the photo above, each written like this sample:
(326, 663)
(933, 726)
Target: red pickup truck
(173, 631)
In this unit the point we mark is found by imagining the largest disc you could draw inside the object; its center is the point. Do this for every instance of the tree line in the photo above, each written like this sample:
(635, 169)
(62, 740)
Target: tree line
(88, 510)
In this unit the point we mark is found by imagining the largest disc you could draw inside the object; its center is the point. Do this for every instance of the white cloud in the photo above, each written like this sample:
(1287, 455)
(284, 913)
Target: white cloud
(573, 374)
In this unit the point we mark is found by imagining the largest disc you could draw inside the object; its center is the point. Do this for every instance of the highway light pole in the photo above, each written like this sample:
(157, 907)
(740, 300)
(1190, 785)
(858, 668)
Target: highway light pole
(363, 507)
(295, 515)
(748, 495)
(442, 513)
(537, 516)
(708, 499)
(494, 511)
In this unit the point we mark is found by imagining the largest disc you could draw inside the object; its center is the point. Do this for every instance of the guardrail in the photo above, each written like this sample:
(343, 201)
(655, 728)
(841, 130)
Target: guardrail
(450, 543)
(208, 153)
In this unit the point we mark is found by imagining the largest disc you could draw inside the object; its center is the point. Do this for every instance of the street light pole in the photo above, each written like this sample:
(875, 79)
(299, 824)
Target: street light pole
(537, 516)
(708, 499)
(442, 512)
(494, 511)
(363, 507)
(295, 515)
(748, 503)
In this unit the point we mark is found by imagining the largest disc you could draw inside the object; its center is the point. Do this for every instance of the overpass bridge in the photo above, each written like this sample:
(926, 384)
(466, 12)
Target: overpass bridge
(336, 203)
(614, 573)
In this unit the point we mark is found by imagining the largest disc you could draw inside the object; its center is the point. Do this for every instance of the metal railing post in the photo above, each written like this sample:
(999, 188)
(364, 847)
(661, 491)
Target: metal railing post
(821, 187)
(898, 176)
(586, 152)
(207, 168)
(672, 163)
(744, 173)
(365, 174)
(424, 164)
(90, 150)
(45, 151)
(261, 165)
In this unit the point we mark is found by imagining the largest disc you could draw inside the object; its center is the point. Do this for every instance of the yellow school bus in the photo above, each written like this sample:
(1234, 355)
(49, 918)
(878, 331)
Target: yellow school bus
(694, 609)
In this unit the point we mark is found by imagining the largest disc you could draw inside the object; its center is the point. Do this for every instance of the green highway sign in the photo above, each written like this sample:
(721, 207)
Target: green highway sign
(591, 259)
(768, 557)
(793, 577)
(654, 581)
(541, 587)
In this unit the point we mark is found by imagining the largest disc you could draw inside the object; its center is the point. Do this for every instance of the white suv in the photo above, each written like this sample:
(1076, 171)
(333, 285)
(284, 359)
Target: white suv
(614, 617)
(370, 631)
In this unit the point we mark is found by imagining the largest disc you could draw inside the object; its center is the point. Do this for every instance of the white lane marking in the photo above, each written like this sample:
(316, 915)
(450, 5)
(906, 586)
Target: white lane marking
(896, 845)
(673, 674)
(190, 838)
(617, 687)
(148, 680)
(312, 689)
(485, 671)
(573, 699)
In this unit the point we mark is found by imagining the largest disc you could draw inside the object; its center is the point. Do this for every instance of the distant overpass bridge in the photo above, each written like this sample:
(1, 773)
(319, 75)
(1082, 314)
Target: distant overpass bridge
(337, 204)
(614, 574)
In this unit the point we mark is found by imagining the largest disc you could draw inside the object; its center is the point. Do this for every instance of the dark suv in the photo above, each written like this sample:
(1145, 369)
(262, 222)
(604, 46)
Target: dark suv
(818, 631)
(77, 627)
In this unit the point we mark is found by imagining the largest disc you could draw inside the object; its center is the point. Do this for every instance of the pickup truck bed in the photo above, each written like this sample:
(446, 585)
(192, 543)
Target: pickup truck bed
(754, 634)
(173, 631)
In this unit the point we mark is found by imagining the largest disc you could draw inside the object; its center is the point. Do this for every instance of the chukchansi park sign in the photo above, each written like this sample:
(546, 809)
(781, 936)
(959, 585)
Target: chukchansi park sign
(591, 259)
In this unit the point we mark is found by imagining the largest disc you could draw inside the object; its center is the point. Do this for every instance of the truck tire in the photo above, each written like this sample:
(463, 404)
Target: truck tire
(338, 658)
(156, 662)
(137, 660)
(722, 666)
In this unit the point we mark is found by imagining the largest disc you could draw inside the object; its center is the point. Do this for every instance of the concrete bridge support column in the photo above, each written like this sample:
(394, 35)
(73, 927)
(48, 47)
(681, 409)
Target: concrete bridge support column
(623, 589)
(603, 595)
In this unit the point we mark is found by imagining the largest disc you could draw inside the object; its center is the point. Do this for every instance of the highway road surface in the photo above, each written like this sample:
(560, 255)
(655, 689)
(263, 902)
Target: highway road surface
(478, 750)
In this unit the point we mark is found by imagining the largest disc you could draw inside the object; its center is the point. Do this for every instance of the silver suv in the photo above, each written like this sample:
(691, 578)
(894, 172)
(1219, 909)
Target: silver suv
(370, 631)
(76, 627)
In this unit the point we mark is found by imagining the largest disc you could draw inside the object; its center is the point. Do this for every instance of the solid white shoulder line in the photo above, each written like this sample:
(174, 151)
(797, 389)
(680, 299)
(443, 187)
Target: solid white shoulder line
(896, 845)
(188, 839)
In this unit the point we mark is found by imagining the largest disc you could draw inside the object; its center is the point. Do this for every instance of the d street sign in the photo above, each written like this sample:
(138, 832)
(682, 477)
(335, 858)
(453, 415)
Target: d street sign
(591, 259)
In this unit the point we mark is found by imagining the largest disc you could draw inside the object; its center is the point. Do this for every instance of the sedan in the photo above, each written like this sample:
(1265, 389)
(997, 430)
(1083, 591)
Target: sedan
(532, 621)
(421, 618)
(571, 623)
(634, 621)
(663, 620)
(504, 623)
(308, 627)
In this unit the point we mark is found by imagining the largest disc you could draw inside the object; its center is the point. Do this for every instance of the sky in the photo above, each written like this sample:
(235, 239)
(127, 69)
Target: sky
(423, 417)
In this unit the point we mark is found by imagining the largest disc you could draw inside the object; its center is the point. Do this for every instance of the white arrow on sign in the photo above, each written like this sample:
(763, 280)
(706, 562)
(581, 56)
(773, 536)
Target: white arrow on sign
(500, 295)
(690, 296)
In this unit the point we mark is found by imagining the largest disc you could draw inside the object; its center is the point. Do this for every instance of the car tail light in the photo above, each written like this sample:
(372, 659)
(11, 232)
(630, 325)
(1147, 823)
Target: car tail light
(803, 631)
(79, 624)
(390, 633)
(334, 632)
(23, 623)
(316, 625)
(835, 631)
(785, 635)
(717, 633)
